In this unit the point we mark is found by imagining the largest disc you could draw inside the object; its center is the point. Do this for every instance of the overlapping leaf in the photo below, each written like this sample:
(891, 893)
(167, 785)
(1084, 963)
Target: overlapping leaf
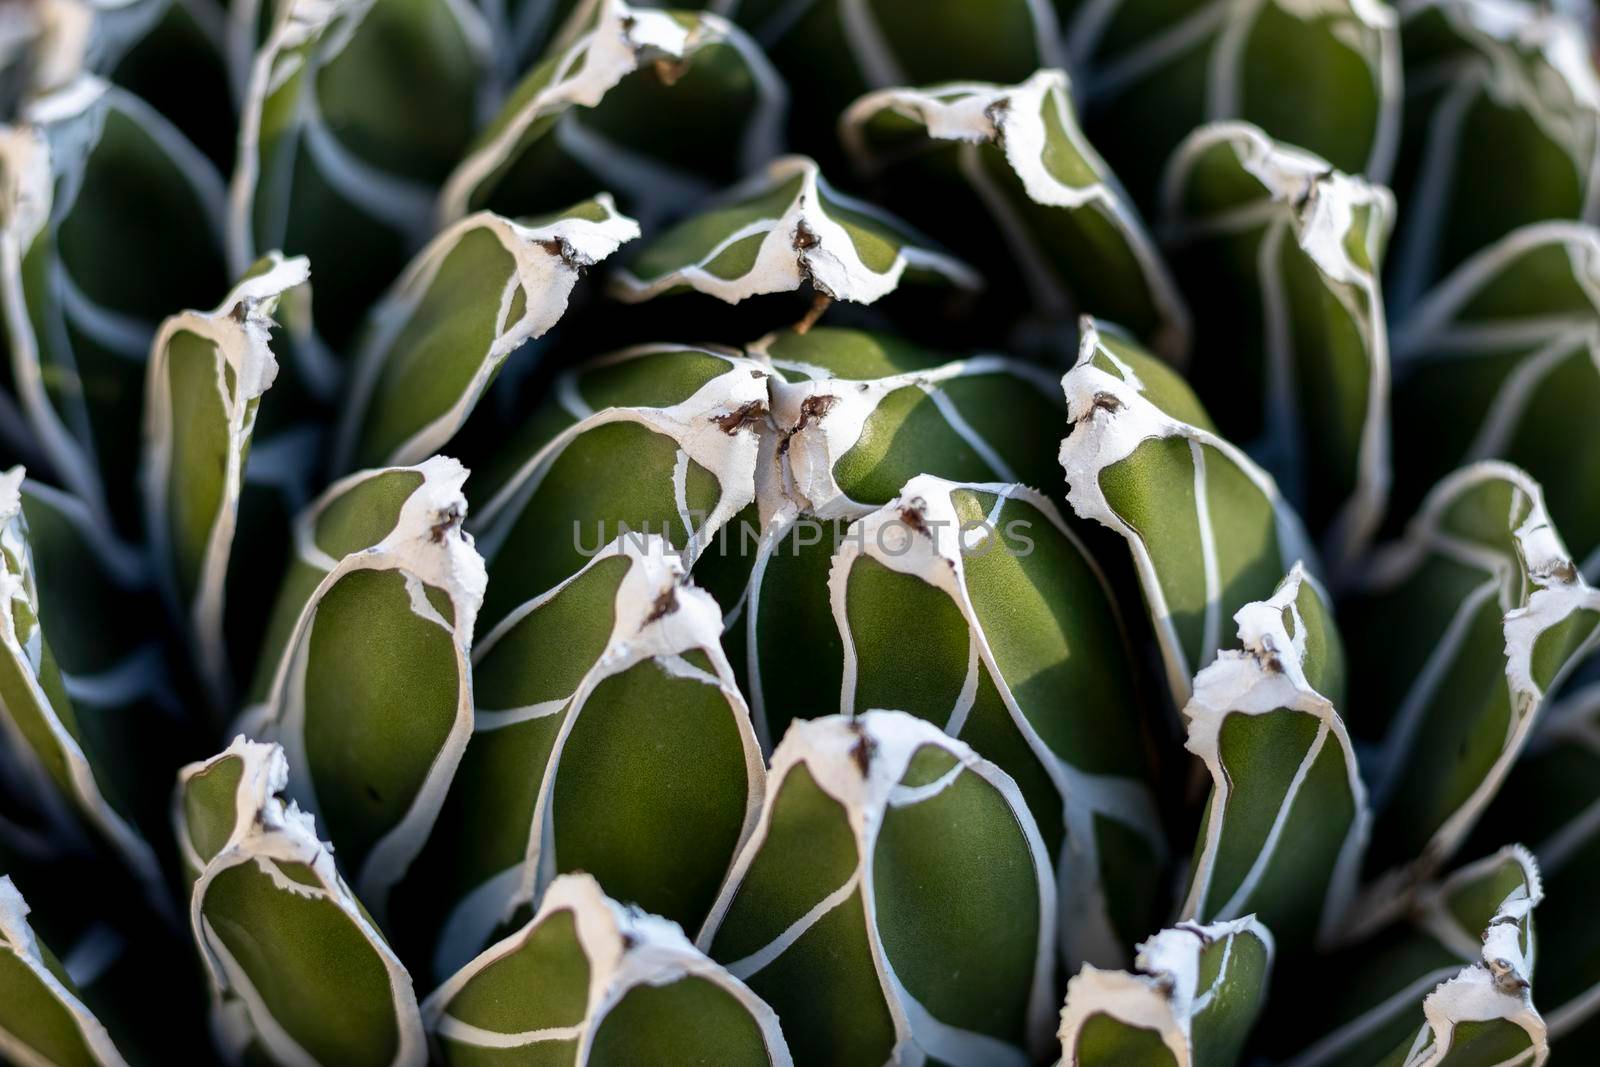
(479, 290)
(1502, 361)
(299, 972)
(1321, 74)
(1502, 129)
(1019, 652)
(208, 372)
(1450, 987)
(1191, 1001)
(95, 185)
(1550, 800)
(1207, 529)
(895, 901)
(1284, 829)
(966, 159)
(1280, 254)
(1461, 629)
(662, 108)
(779, 231)
(609, 737)
(853, 416)
(43, 1019)
(687, 420)
(355, 111)
(832, 51)
(369, 689)
(590, 980)
(63, 756)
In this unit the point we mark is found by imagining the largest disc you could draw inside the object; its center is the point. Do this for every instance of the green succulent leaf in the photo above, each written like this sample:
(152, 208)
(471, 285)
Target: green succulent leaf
(1287, 820)
(60, 753)
(832, 51)
(1324, 75)
(1206, 527)
(43, 1020)
(1020, 654)
(1550, 799)
(610, 737)
(354, 113)
(207, 373)
(1502, 129)
(895, 901)
(1482, 614)
(1281, 254)
(370, 691)
(780, 230)
(469, 300)
(687, 420)
(1190, 1002)
(969, 158)
(1453, 989)
(299, 972)
(853, 416)
(588, 980)
(1502, 361)
(660, 107)
(94, 185)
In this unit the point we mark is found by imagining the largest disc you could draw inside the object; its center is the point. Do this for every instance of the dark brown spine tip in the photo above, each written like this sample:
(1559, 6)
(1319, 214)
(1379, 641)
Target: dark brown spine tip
(448, 519)
(863, 751)
(666, 603)
(744, 415)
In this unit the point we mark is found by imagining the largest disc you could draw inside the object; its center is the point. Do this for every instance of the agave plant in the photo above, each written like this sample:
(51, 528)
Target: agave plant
(828, 532)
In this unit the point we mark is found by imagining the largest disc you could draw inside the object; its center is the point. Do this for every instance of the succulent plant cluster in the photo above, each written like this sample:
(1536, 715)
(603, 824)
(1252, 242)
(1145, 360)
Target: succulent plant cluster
(1090, 563)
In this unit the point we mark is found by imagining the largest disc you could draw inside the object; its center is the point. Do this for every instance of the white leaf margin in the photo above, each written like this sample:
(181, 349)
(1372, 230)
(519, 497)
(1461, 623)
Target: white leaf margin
(547, 261)
(803, 244)
(829, 748)
(267, 830)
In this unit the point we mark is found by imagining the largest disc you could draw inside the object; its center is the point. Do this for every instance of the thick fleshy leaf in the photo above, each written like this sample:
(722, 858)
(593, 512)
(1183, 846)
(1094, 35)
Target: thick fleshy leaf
(1284, 829)
(121, 963)
(1280, 255)
(95, 185)
(779, 231)
(588, 980)
(1502, 361)
(1502, 129)
(972, 605)
(354, 114)
(610, 737)
(832, 51)
(207, 373)
(854, 415)
(687, 419)
(662, 108)
(1451, 987)
(1457, 633)
(45, 737)
(371, 689)
(1191, 1002)
(480, 290)
(966, 159)
(1207, 529)
(299, 973)
(1321, 74)
(895, 901)
(1550, 800)
(43, 1020)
